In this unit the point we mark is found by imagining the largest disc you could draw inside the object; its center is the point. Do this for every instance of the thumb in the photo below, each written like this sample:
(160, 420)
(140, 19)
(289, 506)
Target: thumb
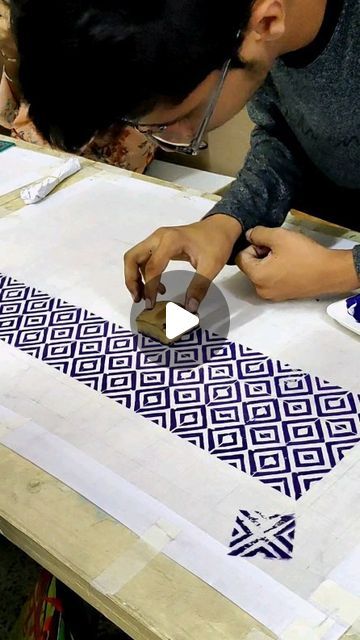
(247, 260)
(263, 236)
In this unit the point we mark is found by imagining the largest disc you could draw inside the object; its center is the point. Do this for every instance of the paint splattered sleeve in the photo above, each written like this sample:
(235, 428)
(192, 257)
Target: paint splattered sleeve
(264, 188)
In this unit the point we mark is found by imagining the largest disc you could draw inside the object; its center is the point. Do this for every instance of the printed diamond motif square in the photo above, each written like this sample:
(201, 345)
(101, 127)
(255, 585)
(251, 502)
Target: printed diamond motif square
(271, 537)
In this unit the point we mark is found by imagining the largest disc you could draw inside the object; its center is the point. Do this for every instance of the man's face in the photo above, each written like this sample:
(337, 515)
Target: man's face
(183, 120)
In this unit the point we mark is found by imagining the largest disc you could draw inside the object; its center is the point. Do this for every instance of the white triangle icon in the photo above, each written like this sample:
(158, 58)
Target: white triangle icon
(178, 321)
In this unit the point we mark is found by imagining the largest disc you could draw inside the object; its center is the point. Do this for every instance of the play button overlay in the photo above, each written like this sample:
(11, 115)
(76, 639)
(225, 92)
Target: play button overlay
(190, 337)
(179, 321)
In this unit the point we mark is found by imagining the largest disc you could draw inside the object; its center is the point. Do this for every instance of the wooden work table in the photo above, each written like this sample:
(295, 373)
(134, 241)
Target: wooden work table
(74, 540)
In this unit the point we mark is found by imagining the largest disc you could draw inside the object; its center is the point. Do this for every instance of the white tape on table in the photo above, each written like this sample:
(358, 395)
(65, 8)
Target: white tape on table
(134, 560)
(338, 602)
(254, 634)
(271, 603)
(301, 630)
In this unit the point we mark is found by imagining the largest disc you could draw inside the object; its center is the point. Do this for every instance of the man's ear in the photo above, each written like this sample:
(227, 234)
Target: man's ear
(268, 19)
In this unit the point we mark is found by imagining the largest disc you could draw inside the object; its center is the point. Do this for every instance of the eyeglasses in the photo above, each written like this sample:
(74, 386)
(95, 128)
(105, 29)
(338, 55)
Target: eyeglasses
(197, 144)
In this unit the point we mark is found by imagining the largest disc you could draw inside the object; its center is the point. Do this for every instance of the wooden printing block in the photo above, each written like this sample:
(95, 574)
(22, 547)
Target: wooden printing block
(152, 323)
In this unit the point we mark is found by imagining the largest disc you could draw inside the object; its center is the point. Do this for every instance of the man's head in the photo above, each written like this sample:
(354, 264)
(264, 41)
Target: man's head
(88, 64)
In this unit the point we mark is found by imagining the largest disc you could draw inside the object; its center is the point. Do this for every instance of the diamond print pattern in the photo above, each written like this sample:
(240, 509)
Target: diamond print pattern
(284, 427)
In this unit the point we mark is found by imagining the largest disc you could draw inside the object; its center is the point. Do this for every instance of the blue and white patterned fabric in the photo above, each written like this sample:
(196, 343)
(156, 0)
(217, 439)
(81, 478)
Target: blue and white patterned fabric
(282, 426)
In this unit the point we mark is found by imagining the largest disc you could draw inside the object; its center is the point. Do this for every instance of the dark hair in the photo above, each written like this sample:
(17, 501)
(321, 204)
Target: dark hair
(85, 65)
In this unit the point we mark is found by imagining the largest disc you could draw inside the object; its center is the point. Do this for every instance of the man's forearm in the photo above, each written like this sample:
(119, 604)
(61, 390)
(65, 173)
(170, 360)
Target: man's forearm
(263, 192)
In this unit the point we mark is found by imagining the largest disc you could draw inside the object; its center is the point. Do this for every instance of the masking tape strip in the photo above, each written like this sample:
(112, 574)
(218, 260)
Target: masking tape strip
(301, 630)
(188, 191)
(254, 634)
(337, 601)
(135, 558)
(354, 632)
(342, 607)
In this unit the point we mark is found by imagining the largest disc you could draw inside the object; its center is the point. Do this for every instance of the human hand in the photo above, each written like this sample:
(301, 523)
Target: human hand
(285, 265)
(206, 244)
